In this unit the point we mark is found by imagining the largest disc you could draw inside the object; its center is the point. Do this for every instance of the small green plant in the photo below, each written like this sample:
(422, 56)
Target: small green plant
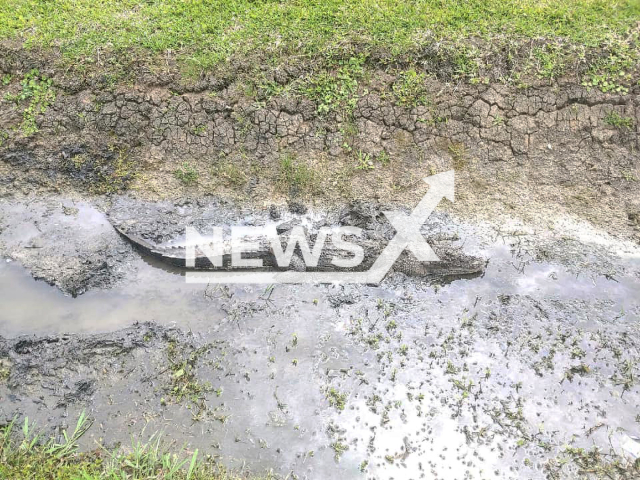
(625, 375)
(605, 83)
(186, 174)
(336, 399)
(451, 368)
(549, 61)
(612, 70)
(184, 385)
(349, 129)
(616, 120)
(373, 340)
(384, 158)
(338, 449)
(6, 79)
(38, 91)
(439, 119)
(363, 161)
(336, 91)
(409, 89)
(466, 61)
(294, 176)
(230, 174)
(580, 369)
(270, 88)
(243, 124)
(199, 130)
(577, 352)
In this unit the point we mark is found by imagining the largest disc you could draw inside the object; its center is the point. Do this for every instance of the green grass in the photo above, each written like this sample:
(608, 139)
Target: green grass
(614, 119)
(336, 91)
(549, 61)
(410, 89)
(204, 33)
(294, 176)
(36, 94)
(26, 454)
(186, 173)
(363, 161)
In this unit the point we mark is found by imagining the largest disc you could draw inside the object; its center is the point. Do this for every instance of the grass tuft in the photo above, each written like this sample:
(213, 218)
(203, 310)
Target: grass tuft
(25, 454)
(409, 89)
(616, 120)
(295, 177)
(336, 91)
(186, 173)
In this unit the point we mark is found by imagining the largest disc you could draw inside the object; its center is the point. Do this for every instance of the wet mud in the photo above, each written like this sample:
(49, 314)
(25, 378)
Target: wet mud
(520, 372)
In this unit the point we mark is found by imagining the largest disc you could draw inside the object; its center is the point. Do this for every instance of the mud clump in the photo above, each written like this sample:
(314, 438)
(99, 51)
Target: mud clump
(99, 361)
(67, 243)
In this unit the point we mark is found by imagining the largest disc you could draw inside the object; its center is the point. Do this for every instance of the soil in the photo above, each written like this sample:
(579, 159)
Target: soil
(525, 152)
(517, 371)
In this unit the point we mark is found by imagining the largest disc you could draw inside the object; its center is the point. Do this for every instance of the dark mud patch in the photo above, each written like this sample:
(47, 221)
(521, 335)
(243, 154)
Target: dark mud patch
(78, 366)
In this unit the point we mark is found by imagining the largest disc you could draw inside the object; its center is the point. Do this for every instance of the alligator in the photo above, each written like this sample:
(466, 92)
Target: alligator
(453, 263)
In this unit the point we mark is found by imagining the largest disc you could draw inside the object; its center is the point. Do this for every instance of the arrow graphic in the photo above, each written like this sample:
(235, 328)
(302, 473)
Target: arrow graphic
(408, 227)
(407, 236)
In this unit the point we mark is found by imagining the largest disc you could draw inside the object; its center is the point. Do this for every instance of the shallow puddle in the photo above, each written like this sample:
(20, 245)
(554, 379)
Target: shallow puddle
(157, 292)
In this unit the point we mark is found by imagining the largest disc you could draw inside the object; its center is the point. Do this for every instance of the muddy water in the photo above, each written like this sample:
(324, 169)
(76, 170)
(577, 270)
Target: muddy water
(480, 378)
(159, 293)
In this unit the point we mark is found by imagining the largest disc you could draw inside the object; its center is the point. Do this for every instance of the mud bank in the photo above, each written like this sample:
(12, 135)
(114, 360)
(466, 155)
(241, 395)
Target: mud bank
(525, 150)
(67, 243)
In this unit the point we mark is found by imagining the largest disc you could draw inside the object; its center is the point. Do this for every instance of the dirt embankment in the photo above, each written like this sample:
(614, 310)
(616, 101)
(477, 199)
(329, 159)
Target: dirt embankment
(370, 132)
